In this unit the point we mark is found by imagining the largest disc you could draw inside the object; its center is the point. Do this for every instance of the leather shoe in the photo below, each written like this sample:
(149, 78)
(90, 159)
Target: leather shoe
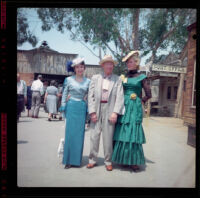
(135, 168)
(67, 166)
(91, 165)
(109, 168)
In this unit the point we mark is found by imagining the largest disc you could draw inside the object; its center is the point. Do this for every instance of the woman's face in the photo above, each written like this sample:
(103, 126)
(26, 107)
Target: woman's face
(131, 64)
(79, 69)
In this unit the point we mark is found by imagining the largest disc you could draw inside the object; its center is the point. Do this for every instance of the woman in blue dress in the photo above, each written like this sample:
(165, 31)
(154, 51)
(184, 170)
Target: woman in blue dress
(74, 107)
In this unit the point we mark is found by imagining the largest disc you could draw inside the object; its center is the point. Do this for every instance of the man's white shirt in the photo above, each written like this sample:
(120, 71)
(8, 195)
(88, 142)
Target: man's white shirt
(37, 85)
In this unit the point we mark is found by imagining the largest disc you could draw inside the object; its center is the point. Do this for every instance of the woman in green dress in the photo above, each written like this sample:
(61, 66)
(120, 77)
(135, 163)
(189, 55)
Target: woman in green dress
(129, 135)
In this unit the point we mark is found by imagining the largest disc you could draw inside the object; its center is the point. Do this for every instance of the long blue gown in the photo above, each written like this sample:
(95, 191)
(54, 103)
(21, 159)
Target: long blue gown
(75, 110)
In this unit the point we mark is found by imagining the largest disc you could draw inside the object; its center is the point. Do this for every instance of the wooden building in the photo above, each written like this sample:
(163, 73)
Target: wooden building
(49, 63)
(43, 60)
(165, 80)
(189, 87)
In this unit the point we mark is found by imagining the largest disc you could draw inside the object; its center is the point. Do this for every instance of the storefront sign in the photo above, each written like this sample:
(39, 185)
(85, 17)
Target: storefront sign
(169, 68)
(168, 74)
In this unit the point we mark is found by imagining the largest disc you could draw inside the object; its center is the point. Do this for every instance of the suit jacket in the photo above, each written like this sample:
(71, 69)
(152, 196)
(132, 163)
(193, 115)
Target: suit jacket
(115, 95)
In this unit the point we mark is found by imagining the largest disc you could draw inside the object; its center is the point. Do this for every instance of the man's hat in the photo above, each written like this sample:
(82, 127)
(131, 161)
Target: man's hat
(108, 58)
(132, 53)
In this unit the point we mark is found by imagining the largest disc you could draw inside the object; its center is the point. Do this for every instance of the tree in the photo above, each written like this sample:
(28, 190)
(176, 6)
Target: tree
(164, 28)
(121, 30)
(100, 27)
(23, 32)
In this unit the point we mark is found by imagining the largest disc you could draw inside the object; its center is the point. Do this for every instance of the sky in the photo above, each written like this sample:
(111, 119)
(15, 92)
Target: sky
(60, 42)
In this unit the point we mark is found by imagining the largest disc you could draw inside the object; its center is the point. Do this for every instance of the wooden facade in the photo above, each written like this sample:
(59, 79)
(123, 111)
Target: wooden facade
(168, 74)
(91, 70)
(189, 95)
(51, 64)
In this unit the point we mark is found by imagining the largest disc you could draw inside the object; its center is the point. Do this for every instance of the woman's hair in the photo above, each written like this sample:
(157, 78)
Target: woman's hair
(82, 63)
(53, 83)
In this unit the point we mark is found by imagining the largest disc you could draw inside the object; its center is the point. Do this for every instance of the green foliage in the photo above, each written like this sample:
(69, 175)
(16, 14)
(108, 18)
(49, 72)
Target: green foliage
(164, 28)
(99, 27)
(23, 32)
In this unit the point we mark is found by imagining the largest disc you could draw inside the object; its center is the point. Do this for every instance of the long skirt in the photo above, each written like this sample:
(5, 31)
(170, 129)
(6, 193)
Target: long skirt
(75, 114)
(51, 104)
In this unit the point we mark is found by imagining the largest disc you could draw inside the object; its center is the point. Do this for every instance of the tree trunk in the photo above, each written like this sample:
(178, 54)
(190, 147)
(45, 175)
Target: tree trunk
(135, 30)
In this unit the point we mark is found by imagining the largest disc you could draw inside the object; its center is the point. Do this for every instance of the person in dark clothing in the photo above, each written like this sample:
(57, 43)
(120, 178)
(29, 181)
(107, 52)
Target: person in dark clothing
(29, 98)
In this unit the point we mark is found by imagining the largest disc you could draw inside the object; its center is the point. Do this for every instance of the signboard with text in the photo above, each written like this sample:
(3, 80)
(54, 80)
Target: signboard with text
(169, 68)
(168, 74)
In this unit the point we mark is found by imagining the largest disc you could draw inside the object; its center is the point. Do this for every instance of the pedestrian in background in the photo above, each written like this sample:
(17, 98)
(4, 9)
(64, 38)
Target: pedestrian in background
(55, 115)
(50, 99)
(45, 85)
(29, 98)
(37, 92)
(74, 106)
(129, 135)
(21, 95)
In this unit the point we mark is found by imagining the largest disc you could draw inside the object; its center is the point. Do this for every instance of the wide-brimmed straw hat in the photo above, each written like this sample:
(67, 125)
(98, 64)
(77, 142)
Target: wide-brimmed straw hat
(130, 54)
(107, 58)
(77, 61)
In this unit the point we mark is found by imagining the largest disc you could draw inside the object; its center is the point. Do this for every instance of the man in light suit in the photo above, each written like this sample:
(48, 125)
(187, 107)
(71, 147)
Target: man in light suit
(105, 103)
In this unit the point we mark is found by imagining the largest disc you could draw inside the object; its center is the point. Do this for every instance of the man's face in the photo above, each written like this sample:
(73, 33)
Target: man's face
(108, 67)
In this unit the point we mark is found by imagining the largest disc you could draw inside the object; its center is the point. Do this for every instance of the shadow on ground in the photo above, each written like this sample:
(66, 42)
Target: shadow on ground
(128, 168)
(25, 120)
(22, 142)
(85, 161)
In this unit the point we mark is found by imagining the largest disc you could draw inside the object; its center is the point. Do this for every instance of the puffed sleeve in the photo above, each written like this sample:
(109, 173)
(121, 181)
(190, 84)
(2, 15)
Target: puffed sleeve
(64, 95)
(64, 83)
(147, 90)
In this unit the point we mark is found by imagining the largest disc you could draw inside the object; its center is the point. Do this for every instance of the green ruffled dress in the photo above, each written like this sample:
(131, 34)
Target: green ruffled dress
(129, 135)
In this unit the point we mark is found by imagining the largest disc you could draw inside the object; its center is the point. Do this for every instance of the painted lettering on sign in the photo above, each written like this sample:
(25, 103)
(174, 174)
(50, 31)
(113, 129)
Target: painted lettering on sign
(169, 68)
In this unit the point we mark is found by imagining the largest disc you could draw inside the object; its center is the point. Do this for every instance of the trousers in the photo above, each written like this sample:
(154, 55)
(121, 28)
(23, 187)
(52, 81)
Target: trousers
(20, 104)
(36, 100)
(103, 126)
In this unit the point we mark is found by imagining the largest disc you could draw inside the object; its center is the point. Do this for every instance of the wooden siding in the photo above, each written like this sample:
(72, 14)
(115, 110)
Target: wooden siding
(189, 112)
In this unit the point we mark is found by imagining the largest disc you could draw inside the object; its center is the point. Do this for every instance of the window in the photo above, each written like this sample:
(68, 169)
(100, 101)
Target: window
(175, 92)
(194, 87)
(169, 93)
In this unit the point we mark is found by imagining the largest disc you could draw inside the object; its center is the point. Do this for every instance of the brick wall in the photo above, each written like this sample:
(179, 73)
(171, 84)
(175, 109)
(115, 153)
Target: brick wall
(189, 112)
(27, 77)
